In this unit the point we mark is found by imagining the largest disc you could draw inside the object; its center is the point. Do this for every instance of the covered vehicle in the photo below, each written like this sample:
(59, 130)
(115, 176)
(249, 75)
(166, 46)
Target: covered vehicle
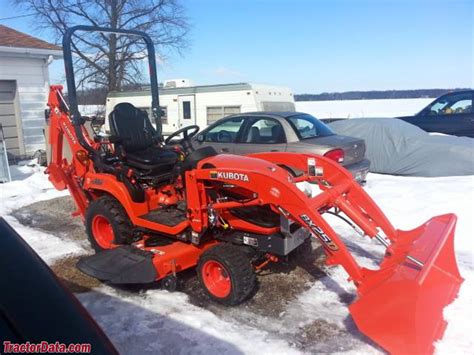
(297, 132)
(399, 148)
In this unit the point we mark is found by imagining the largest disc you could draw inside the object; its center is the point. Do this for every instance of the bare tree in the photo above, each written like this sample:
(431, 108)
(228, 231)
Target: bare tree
(113, 61)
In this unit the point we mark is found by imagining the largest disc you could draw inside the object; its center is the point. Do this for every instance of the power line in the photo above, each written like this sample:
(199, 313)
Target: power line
(14, 17)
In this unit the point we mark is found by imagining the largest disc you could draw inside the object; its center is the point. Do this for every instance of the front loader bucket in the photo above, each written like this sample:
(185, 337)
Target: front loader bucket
(400, 306)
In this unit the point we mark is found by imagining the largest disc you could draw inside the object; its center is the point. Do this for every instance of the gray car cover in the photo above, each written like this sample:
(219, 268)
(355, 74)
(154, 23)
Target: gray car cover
(399, 148)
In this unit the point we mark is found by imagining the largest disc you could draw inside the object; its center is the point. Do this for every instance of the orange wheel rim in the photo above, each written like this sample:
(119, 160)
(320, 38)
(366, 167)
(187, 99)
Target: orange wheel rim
(103, 232)
(216, 279)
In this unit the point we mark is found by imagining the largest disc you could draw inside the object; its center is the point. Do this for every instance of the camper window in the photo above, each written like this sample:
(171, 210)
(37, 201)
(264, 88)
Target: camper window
(164, 113)
(215, 113)
(187, 110)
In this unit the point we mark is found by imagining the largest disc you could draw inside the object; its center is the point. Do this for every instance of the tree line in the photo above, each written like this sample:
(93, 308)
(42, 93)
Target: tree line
(375, 94)
(97, 96)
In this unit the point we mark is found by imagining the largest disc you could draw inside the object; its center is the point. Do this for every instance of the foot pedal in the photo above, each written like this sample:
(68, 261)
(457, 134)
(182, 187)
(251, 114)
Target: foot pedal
(122, 265)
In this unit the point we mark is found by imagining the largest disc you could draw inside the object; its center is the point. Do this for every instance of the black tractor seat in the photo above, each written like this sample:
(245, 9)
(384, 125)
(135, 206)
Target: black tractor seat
(136, 141)
(151, 158)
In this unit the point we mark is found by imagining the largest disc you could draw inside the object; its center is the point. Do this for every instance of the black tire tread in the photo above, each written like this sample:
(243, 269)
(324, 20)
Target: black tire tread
(123, 228)
(237, 262)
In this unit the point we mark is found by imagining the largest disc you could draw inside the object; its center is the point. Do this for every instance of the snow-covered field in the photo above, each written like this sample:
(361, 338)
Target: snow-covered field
(363, 108)
(338, 108)
(155, 321)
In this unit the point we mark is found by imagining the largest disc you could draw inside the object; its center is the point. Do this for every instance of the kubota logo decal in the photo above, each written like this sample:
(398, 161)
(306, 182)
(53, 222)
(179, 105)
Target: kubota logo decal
(229, 175)
(318, 232)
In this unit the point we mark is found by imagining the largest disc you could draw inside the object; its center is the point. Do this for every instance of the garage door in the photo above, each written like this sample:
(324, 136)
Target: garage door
(7, 116)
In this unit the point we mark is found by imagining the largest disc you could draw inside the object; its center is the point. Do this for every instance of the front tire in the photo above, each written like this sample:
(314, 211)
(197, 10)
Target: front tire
(107, 224)
(226, 274)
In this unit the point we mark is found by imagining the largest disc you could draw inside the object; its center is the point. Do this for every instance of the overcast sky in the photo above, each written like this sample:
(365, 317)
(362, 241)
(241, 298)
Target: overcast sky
(319, 46)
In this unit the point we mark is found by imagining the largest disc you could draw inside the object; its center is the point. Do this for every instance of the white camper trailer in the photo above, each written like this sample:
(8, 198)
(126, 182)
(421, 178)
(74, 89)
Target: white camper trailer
(183, 105)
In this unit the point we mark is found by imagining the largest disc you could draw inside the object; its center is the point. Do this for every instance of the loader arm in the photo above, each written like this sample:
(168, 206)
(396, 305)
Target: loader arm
(275, 186)
(400, 304)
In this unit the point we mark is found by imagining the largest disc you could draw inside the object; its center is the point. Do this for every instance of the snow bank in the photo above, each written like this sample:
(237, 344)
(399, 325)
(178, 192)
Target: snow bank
(48, 247)
(32, 185)
(33, 188)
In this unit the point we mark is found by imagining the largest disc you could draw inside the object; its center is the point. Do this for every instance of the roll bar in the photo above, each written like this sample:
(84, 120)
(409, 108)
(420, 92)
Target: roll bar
(71, 83)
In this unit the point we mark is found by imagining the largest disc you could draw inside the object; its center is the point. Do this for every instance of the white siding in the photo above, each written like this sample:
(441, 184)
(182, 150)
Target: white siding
(202, 101)
(269, 93)
(244, 98)
(31, 75)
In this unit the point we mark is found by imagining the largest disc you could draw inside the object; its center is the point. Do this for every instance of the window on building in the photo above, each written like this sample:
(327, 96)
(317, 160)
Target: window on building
(215, 113)
(164, 114)
(187, 110)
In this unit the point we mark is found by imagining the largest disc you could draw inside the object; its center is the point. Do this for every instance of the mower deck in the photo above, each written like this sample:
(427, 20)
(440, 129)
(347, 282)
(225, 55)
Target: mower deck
(142, 264)
(122, 265)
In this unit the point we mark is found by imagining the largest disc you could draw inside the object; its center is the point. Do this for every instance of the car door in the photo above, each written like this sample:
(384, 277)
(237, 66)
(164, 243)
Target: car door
(261, 134)
(221, 136)
(450, 114)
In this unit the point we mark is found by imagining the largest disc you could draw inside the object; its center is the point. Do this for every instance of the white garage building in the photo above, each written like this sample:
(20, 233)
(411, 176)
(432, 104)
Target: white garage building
(24, 80)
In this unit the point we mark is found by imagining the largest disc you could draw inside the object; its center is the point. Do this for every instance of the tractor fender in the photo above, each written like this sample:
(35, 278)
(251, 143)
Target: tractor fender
(110, 184)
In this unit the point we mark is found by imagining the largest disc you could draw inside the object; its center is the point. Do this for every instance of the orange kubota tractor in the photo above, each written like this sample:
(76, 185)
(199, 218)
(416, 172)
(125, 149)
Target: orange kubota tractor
(153, 208)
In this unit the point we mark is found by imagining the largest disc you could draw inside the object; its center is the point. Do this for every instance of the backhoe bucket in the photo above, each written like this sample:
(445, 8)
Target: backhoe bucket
(400, 306)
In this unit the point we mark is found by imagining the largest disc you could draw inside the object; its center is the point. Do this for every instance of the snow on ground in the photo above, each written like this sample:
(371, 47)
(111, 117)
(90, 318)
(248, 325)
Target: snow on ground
(411, 201)
(363, 108)
(168, 323)
(30, 185)
(155, 321)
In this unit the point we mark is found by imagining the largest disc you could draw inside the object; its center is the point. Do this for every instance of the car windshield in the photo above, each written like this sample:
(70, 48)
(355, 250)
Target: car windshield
(307, 126)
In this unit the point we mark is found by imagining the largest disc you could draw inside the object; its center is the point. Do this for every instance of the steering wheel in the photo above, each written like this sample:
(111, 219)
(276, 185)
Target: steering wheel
(188, 133)
(224, 137)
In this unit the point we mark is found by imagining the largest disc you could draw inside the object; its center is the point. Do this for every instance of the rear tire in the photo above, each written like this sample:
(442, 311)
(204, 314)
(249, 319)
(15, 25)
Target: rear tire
(107, 224)
(226, 274)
